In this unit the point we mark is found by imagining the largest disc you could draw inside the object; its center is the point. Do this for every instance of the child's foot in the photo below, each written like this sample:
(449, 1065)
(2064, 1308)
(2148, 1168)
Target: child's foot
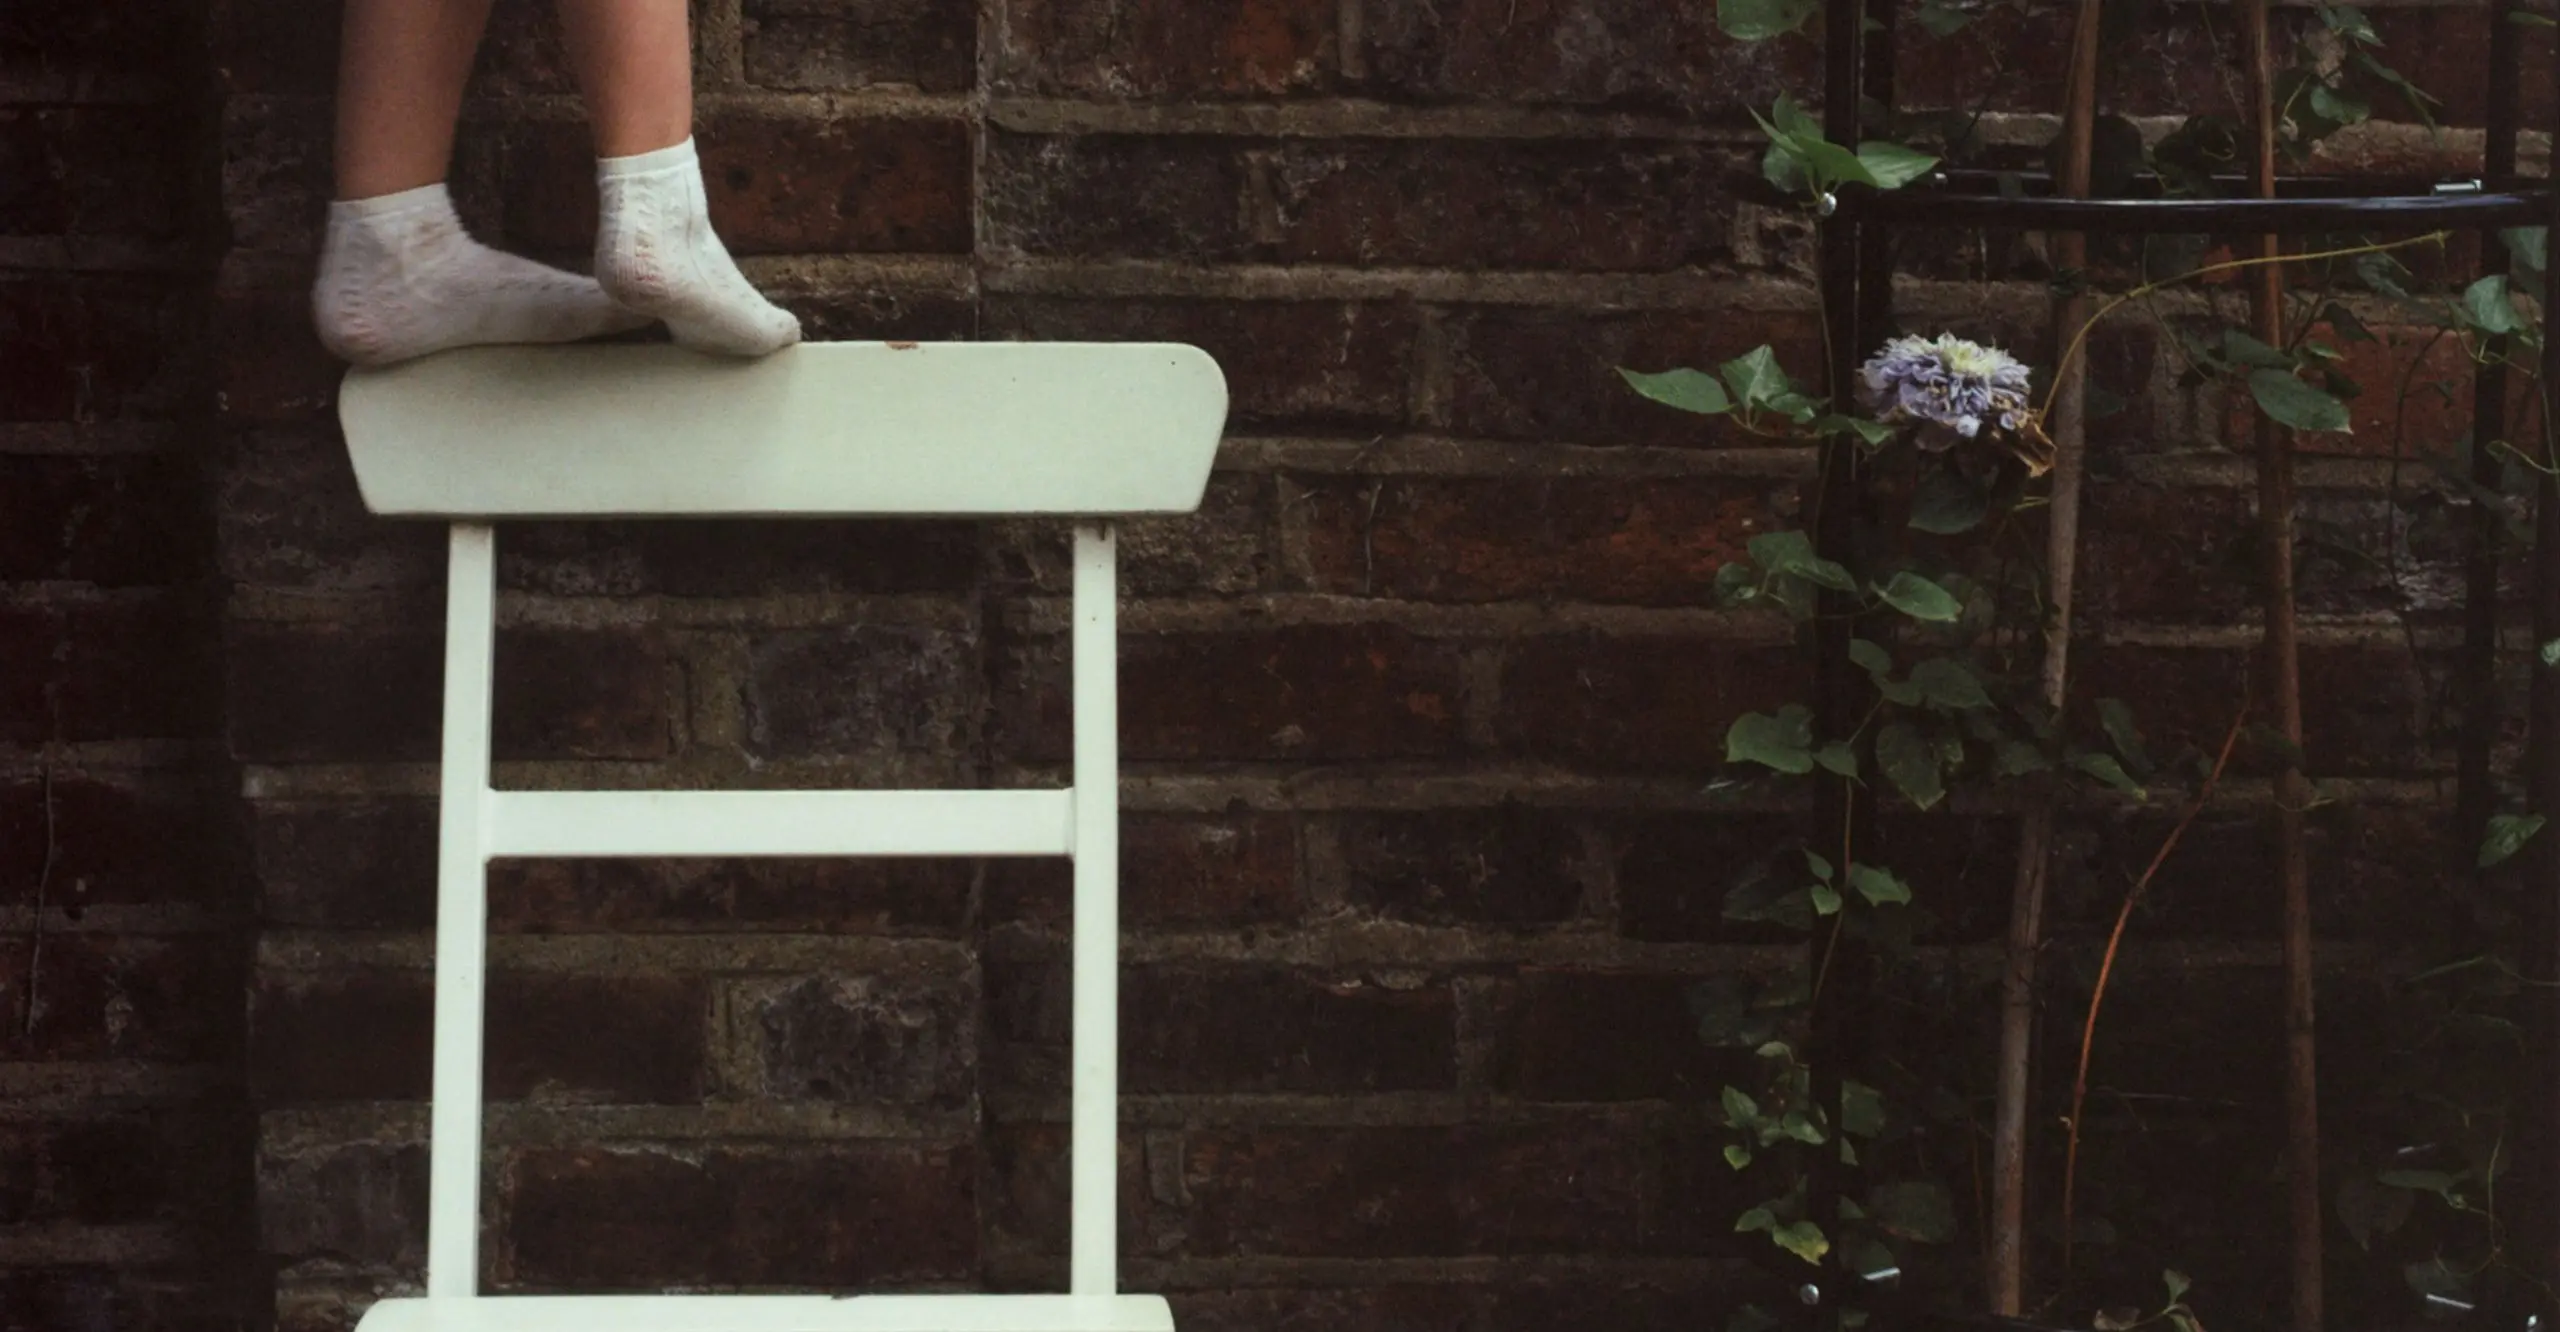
(656, 253)
(400, 277)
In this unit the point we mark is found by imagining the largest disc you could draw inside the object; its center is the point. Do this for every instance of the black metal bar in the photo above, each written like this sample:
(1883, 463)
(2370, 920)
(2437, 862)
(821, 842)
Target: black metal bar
(2476, 794)
(2539, 1154)
(1834, 1020)
(1920, 206)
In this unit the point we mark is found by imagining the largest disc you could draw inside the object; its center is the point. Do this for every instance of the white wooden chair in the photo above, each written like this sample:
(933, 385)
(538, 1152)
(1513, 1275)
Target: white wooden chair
(1089, 431)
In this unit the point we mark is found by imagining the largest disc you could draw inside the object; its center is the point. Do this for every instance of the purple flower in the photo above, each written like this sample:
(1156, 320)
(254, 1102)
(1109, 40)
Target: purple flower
(1951, 390)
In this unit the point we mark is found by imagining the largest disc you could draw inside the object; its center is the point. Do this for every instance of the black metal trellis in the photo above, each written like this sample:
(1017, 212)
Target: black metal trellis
(1856, 292)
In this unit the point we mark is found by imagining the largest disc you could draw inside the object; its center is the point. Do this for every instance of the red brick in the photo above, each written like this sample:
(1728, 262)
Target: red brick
(738, 559)
(896, 897)
(523, 53)
(2443, 50)
(1626, 54)
(1363, 1308)
(1168, 48)
(117, 520)
(903, 695)
(346, 864)
(836, 1219)
(119, 670)
(54, 1299)
(900, 1038)
(2158, 63)
(1312, 692)
(1196, 1031)
(777, 186)
(1234, 1032)
(2429, 421)
(883, 313)
(1654, 542)
(1552, 376)
(1674, 871)
(2362, 706)
(1028, 1188)
(96, 347)
(104, 1173)
(1297, 362)
(359, 1202)
(271, 364)
(277, 173)
(931, 45)
(1637, 702)
(130, 42)
(2167, 554)
(99, 996)
(1512, 866)
(107, 843)
(1176, 872)
(276, 46)
(289, 516)
(128, 182)
(1412, 1192)
(1618, 205)
(1582, 1036)
(1663, 1302)
(366, 1037)
(1118, 196)
(319, 693)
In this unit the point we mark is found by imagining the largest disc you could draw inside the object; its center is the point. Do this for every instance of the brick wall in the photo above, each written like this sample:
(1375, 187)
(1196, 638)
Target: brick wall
(124, 1137)
(1419, 712)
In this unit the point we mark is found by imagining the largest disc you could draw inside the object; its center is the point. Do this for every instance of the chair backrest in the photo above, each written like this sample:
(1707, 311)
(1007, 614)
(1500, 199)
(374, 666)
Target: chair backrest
(837, 429)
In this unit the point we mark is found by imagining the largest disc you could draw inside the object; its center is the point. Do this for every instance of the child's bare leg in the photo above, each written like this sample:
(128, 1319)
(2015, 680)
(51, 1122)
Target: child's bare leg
(399, 276)
(655, 250)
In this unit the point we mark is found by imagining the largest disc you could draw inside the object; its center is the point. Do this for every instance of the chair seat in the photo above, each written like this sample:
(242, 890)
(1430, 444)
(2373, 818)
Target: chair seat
(774, 1313)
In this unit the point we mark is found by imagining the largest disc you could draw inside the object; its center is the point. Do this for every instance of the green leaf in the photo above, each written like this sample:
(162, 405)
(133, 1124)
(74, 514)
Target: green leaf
(2177, 1283)
(2349, 22)
(2117, 721)
(2366, 1209)
(1737, 1156)
(1942, 19)
(1914, 1210)
(2551, 653)
(1758, 1218)
(1756, 377)
(2017, 758)
(1861, 1108)
(1838, 759)
(1948, 684)
(1876, 661)
(2241, 349)
(1783, 742)
(2105, 768)
(1760, 20)
(1890, 166)
(1688, 390)
(1920, 599)
(2508, 834)
(1826, 899)
(1804, 1239)
(1870, 432)
(1911, 762)
(1739, 1109)
(1879, 886)
(1817, 865)
(2294, 403)
(2421, 1181)
(1946, 504)
(1791, 552)
(1737, 584)
(2489, 308)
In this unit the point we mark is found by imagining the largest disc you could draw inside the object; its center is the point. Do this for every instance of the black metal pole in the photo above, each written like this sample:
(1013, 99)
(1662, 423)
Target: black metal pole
(2476, 793)
(2538, 1155)
(1838, 1012)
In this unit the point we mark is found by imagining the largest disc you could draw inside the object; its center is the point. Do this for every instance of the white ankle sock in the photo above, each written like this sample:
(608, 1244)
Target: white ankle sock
(400, 277)
(656, 253)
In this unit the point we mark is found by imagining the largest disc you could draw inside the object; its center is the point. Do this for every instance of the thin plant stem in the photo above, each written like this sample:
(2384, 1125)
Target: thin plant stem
(2106, 970)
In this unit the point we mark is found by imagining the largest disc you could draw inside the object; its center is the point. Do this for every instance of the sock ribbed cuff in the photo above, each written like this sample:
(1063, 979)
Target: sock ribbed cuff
(384, 205)
(642, 164)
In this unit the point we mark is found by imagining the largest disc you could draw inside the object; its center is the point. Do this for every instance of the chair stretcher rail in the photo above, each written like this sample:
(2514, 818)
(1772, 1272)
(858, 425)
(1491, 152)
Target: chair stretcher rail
(564, 824)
